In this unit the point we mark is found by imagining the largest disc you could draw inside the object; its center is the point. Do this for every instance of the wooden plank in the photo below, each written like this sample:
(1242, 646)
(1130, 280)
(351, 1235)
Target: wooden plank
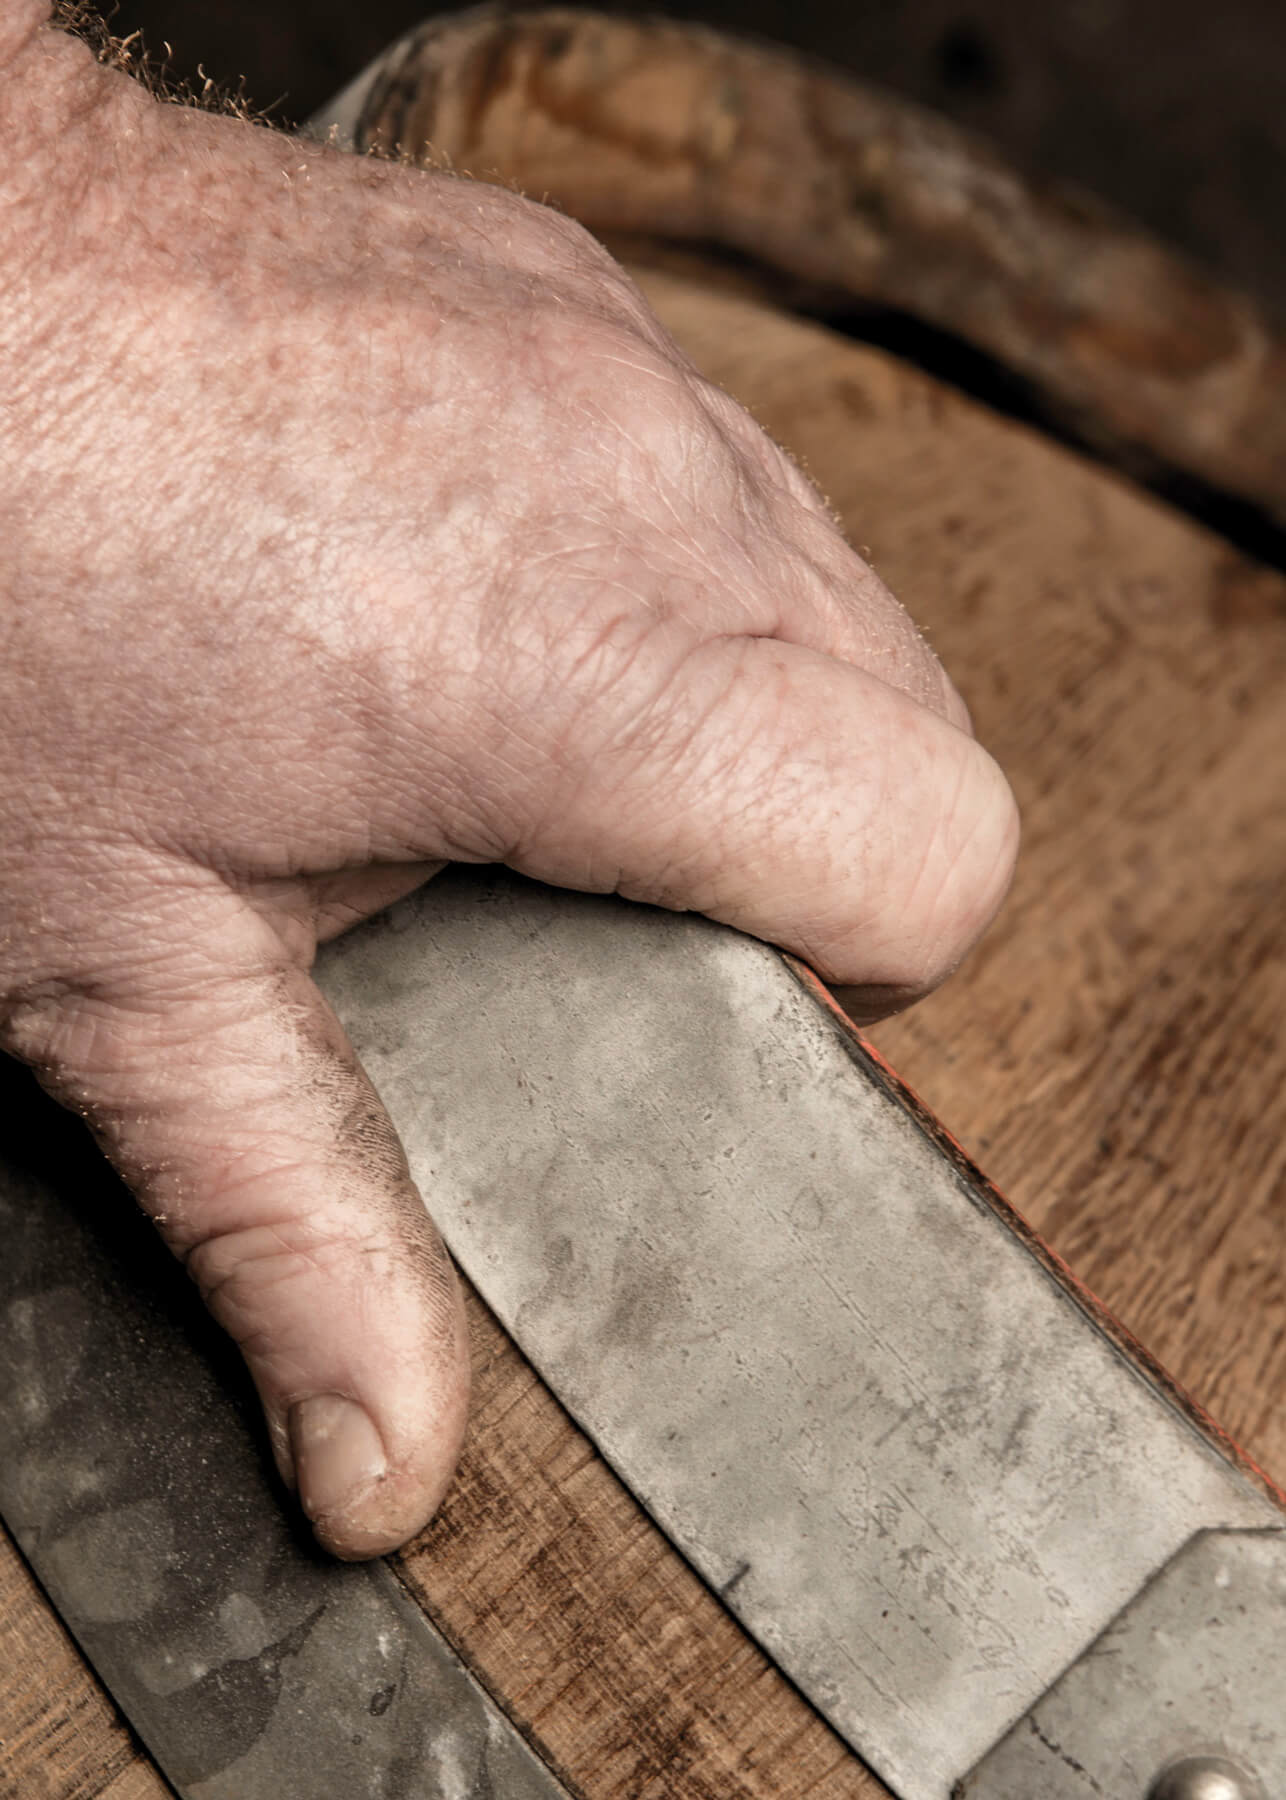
(1113, 1055)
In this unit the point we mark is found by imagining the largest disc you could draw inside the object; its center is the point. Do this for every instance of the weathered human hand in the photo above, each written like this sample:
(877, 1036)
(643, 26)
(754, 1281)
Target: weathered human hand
(356, 520)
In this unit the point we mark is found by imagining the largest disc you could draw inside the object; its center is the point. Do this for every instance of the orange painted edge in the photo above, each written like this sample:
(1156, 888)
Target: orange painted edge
(1049, 1259)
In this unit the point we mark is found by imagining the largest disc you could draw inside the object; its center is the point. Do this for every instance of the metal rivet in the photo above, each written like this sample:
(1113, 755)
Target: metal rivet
(1205, 1778)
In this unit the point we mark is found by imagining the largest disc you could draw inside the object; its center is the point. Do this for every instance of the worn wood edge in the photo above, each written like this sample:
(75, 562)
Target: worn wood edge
(671, 130)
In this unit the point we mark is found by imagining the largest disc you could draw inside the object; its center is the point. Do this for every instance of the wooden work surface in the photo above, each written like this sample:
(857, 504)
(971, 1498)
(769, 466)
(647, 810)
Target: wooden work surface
(1113, 1056)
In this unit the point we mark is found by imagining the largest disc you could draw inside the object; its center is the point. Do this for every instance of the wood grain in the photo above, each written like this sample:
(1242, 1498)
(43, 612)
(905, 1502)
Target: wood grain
(1113, 1055)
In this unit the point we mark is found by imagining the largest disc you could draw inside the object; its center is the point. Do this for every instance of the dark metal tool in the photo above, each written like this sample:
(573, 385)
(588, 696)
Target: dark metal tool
(134, 1476)
(959, 1509)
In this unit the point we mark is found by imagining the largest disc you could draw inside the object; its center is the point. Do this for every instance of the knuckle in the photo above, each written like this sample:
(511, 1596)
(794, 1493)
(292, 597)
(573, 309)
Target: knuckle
(559, 243)
(596, 352)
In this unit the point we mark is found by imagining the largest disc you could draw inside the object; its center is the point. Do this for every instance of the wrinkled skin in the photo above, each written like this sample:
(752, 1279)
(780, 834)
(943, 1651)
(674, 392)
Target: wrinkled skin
(359, 519)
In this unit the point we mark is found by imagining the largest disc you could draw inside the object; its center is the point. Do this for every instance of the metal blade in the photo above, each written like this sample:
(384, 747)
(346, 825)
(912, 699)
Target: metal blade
(1202, 1642)
(875, 1419)
(133, 1475)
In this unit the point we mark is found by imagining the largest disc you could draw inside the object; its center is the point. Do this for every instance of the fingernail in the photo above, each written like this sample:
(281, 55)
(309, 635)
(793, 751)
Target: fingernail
(337, 1450)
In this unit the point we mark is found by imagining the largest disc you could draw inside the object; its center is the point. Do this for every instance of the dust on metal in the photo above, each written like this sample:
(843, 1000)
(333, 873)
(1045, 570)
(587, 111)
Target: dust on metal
(1189, 1680)
(919, 1472)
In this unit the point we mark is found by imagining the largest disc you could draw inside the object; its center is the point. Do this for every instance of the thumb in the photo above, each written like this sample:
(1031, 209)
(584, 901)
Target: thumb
(239, 1115)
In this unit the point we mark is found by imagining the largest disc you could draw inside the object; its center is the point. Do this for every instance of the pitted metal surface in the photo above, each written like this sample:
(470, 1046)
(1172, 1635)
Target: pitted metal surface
(133, 1475)
(1182, 1698)
(917, 1471)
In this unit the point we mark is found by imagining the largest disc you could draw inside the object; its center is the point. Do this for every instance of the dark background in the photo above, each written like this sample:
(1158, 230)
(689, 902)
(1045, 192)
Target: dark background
(1173, 109)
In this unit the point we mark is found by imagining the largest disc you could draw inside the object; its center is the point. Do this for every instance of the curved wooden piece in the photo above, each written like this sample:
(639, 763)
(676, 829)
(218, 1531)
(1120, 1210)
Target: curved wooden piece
(667, 129)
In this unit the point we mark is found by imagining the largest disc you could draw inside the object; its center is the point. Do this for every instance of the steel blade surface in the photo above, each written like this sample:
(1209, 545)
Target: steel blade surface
(918, 1472)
